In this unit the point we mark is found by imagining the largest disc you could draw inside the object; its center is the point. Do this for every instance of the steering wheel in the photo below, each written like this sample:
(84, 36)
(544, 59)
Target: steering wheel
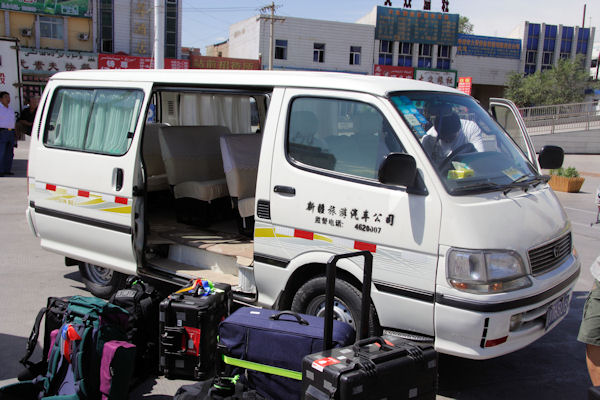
(464, 148)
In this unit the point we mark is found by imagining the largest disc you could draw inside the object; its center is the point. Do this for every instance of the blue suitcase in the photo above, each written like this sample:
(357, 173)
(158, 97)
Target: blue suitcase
(270, 346)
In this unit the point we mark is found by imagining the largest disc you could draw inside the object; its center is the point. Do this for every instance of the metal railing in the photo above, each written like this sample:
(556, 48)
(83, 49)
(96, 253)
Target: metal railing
(561, 118)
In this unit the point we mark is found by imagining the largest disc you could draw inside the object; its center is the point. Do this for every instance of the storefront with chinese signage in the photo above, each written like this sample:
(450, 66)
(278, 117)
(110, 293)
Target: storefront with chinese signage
(393, 71)
(488, 61)
(37, 66)
(204, 62)
(121, 61)
(439, 77)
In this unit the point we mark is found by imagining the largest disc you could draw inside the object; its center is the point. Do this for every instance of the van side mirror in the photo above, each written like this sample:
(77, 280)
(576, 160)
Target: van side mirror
(551, 157)
(398, 169)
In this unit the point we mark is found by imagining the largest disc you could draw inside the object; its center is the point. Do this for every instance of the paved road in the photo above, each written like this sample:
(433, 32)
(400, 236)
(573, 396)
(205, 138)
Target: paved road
(552, 368)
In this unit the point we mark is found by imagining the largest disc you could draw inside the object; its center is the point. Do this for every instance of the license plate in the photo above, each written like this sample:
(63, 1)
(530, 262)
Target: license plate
(558, 309)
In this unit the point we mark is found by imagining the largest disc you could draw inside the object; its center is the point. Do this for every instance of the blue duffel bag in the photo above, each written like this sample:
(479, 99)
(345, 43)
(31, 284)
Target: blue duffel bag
(270, 346)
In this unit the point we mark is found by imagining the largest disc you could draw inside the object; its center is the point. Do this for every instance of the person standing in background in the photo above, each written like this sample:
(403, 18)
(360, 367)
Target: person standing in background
(7, 134)
(25, 121)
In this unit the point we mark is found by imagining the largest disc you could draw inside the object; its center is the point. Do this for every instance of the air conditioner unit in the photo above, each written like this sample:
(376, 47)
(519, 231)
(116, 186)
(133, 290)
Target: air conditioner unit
(84, 36)
(26, 32)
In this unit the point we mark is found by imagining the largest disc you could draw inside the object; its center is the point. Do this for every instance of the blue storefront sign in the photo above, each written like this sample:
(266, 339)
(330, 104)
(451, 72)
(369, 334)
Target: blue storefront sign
(488, 46)
(416, 26)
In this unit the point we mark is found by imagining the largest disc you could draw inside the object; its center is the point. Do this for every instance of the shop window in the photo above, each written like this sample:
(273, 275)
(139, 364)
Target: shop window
(319, 52)
(425, 55)
(51, 28)
(405, 54)
(385, 52)
(106, 26)
(443, 57)
(171, 29)
(281, 49)
(355, 55)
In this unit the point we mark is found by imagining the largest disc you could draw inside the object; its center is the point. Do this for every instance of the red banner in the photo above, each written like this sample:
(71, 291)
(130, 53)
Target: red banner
(118, 61)
(205, 62)
(390, 70)
(465, 84)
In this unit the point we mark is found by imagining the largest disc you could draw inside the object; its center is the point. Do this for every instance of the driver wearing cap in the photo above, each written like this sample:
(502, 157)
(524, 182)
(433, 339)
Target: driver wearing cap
(450, 133)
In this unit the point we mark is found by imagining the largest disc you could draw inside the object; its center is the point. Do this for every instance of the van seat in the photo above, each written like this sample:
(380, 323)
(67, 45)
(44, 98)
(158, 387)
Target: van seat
(193, 161)
(241, 153)
(156, 175)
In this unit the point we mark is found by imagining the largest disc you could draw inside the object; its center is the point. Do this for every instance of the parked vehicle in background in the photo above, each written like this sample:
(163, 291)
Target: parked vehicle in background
(471, 247)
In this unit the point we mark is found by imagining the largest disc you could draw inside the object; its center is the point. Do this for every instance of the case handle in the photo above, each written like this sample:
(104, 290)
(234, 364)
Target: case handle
(299, 319)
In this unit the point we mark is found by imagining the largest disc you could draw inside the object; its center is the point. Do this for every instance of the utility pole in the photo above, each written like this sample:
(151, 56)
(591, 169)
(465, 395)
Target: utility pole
(583, 21)
(273, 19)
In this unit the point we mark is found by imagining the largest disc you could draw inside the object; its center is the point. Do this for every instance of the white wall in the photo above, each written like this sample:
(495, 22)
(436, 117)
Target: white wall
(243, 39)
(486, 70)
(250, 37)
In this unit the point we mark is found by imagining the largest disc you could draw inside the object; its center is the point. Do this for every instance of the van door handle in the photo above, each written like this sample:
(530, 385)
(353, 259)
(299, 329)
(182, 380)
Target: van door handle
(117, 179)
(285, 190)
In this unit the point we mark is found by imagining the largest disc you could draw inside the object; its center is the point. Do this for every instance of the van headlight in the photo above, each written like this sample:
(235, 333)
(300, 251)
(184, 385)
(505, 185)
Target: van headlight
(486, 271)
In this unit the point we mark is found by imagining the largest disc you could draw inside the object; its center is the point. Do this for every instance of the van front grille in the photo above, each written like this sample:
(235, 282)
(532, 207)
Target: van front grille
(549, 256)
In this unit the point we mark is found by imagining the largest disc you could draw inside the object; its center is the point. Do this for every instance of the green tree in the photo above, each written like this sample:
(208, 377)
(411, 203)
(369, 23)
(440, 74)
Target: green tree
(464, 25)
(565, 83)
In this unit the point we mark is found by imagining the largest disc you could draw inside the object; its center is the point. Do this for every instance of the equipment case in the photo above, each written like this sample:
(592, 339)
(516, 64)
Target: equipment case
(387, 367)
(188, 332)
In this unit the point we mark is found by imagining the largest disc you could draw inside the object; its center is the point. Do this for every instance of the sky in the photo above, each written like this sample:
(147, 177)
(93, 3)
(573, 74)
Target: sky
(207, 22)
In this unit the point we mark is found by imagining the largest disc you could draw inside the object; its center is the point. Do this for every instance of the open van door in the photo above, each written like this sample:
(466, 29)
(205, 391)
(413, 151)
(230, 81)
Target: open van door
(506, 113)
(83, 171)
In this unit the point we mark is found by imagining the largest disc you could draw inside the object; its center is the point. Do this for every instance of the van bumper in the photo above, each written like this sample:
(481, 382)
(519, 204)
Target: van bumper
(480, 331)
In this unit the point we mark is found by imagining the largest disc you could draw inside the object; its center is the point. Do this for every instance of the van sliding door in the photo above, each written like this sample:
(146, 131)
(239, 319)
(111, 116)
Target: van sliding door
(83, 181)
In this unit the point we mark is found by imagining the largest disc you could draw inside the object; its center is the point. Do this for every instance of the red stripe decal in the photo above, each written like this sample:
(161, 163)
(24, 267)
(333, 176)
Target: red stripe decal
(83, 193)
(121, 200)
(50, 187)
(303, 234)
(365, 246)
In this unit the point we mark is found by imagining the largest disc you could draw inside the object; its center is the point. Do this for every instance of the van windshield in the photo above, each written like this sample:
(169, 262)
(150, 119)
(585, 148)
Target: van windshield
(469, 150)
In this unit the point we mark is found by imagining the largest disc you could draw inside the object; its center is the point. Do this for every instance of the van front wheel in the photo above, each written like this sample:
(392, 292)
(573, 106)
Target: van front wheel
(101, 282)
(310, 299)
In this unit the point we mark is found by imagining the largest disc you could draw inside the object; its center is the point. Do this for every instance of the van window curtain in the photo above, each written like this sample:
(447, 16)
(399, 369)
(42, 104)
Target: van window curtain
(226, 110)
(94, 120)
(114, 115)
(67, 128)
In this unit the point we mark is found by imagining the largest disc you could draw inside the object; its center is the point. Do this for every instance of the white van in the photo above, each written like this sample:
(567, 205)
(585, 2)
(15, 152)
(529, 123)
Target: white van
(258, 178)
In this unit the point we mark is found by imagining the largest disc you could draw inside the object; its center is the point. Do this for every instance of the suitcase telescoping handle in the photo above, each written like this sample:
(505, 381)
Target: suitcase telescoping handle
(330, 293)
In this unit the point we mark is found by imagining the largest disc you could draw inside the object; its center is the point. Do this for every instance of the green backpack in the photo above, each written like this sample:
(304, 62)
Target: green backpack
(88, 359)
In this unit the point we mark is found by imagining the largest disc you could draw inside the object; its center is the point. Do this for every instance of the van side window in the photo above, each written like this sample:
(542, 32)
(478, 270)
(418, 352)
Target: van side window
(344, 136)
(93, 120)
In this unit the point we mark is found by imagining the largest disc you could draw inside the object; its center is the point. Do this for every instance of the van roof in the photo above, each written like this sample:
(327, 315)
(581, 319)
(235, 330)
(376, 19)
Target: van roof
(377, 85)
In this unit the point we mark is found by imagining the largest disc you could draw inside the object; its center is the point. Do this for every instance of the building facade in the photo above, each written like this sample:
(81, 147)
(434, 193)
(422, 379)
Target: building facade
(304, 44)
(414, 43)
(544, 45)
(488, 61)
(66, 36)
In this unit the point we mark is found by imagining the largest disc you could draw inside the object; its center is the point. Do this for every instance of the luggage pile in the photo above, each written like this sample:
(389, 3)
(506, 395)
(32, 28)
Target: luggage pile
(95, 349)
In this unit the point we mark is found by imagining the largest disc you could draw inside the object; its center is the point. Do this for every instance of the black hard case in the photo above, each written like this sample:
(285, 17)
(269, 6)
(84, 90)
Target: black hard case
(375, 368)
(182, 353)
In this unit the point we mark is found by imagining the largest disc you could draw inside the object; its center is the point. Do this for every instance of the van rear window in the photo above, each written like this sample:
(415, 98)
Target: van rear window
(93, 120)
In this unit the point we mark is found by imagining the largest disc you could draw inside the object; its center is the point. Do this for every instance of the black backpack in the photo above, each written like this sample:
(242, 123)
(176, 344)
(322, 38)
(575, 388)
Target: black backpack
(141, 301)
(53, 313)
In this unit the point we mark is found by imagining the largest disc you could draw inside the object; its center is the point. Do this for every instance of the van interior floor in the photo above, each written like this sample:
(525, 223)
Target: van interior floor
(214, 253)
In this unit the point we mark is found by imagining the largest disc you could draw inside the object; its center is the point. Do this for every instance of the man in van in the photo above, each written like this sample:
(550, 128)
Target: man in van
(7, 134)
(449, 134)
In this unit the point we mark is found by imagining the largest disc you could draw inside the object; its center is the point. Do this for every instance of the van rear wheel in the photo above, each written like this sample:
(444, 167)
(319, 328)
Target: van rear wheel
(310, 299)
(101, 282)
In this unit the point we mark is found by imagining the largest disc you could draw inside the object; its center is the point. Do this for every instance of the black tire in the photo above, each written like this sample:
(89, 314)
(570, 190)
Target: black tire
(101, 282)
(310, 299)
